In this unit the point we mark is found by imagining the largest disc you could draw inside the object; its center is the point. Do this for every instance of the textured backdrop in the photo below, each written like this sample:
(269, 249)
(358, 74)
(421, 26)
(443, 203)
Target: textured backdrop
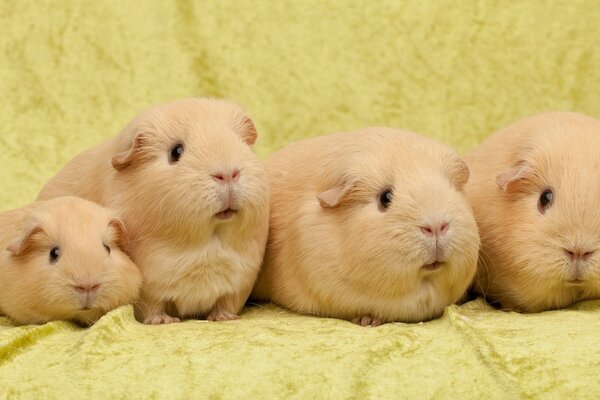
(74, 72)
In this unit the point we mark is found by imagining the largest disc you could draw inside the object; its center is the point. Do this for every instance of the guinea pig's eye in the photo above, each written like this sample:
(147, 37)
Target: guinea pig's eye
(385, 199)
(106, 247)
(176, 153)
(546, 200)
(54, 255)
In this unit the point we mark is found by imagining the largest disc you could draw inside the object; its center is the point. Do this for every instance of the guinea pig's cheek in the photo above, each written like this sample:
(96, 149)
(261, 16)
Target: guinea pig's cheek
(63, 302)
(248, 193)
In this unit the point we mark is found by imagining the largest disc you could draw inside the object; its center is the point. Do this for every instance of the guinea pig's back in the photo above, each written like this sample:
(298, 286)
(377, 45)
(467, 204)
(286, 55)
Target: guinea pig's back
(84, 176)
(318, 161)
(11, 222)
(298, 158)
(290, 171)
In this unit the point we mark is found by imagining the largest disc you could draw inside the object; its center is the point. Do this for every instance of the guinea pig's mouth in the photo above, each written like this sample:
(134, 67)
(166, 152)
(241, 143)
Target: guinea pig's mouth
(575, 281)
(87, 308)
(225, 214)
(434, 266)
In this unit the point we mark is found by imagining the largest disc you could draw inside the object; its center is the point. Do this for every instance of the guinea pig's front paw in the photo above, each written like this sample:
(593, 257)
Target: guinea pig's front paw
(159, 319)
(220, 315)
(367, 320)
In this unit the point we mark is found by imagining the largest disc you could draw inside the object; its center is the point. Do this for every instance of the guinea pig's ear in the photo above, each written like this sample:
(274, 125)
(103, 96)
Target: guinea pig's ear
(120, 236)
(132, 155)
(511, 176)
(332, 197)
(21, 245)
(458, 171)
(247, 131)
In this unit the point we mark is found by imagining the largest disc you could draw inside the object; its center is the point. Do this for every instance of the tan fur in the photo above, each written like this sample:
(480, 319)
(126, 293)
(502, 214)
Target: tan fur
(194, 265)
(523, 264)
(34, 291)
(332, 252)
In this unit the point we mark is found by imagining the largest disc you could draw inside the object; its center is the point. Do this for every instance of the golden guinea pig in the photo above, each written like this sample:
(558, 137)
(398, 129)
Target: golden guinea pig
(64, 259)
(195, 199)
(534, 193)
(371, 226)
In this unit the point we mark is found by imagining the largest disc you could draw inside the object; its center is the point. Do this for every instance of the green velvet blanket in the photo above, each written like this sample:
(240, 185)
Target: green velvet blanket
(74, 72)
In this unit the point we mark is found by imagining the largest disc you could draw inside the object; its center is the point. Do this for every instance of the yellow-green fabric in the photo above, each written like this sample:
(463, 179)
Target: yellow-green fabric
(74, 72)
(473, 352)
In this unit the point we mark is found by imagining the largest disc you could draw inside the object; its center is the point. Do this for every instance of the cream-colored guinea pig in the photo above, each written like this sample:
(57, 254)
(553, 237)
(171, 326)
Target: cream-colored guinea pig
(370, 226)
(64, 259)
(194, 198)
(534, 191)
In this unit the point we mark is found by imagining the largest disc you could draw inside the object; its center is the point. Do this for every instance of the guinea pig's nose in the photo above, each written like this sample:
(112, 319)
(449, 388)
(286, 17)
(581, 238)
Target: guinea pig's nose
(83, 288)
(227, 177)
(437, 229)
(577, 254)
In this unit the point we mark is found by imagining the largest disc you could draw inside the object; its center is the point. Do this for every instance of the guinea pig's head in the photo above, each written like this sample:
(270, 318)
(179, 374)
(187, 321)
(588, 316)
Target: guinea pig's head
(545, 238)
(190, 163)
(408, 231)
(71, 262)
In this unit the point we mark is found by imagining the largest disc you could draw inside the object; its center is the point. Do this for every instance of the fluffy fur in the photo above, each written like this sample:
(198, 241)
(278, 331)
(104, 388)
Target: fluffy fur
(194, 264)
(33, 290)
(333, 251)
(524, 263)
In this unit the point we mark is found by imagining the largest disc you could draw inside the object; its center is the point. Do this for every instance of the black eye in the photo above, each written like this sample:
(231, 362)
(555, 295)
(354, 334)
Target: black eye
(385, 199)
(54, 255)
(176, 153)
(546, 200)
(106, 248)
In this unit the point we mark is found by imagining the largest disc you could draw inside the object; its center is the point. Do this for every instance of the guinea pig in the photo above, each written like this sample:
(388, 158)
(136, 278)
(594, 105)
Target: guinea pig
(64, 259)
(370, 226)
(533, 191)
(194, 198)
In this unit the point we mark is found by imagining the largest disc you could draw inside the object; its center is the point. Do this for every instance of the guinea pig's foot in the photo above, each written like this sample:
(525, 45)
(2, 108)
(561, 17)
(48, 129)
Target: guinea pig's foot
(160, 319)
(220, 315)
(367, 320)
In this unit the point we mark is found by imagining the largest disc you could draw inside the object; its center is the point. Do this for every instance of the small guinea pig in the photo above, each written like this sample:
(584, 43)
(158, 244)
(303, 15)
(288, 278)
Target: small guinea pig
(194, 198)
(534, 193)
(64, 259)
(370, 226)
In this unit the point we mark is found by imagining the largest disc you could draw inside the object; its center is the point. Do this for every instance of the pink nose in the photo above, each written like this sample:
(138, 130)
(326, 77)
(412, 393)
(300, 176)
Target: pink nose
(227, 177)
(576, 254)
(84, 288)
(432, 230)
